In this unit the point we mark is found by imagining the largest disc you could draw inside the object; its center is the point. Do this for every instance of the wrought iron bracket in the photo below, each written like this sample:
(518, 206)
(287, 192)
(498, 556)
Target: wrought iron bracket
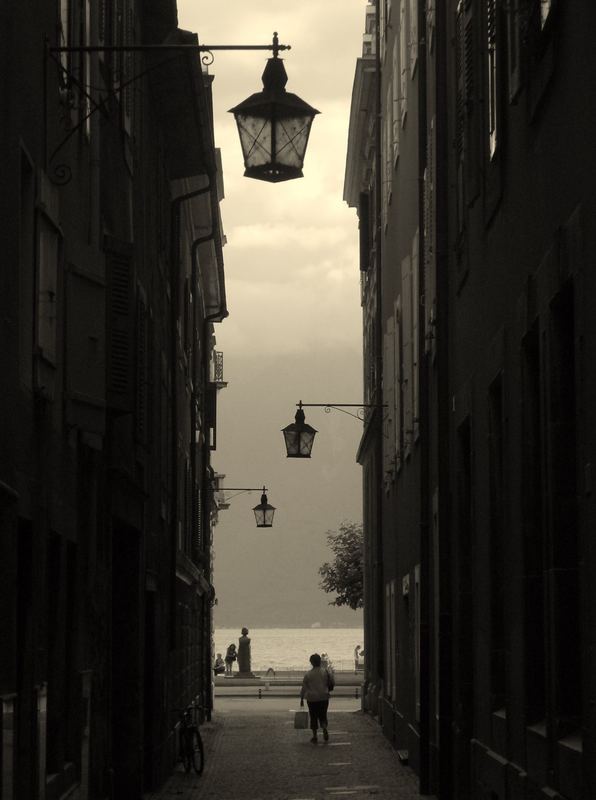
(359, 415)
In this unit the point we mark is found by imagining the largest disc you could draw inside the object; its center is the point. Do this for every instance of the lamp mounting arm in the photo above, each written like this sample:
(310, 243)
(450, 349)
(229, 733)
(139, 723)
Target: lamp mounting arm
(360, 413)
(199, 48)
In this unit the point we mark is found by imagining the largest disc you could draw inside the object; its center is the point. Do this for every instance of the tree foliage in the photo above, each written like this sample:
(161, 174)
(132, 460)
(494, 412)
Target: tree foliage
(345, 574)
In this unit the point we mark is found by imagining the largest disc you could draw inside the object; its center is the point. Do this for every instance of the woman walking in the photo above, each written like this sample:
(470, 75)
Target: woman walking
(316, 685)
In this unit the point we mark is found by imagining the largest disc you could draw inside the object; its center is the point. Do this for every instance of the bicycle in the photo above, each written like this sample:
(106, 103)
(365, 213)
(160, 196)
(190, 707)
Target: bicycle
(192, 754)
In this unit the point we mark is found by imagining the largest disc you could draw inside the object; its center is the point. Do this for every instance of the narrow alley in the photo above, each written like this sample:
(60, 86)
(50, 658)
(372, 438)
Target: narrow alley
(253, 752)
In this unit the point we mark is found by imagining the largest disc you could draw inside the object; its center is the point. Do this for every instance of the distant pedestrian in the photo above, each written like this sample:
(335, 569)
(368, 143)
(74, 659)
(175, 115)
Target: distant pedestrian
(230, 658)
(324, 660)
(356, 658)
(219, 665)
(316, 685)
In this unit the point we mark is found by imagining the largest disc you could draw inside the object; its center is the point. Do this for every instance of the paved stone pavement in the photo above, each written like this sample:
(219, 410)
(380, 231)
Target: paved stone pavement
(258, 755)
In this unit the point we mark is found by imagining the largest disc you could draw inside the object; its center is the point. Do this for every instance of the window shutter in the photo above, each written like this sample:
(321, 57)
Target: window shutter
(406, 347)
(388, 399)
(413, 36)
(142, 371)
(396, 112)
(120, 382)
(492, 67)
(415, 343)
(403, 63)
(364, 231)
(397, 394)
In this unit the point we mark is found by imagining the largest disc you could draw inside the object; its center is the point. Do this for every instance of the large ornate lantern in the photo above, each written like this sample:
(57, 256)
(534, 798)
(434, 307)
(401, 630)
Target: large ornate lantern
(299, 436)
(274, 126)
(264, 512)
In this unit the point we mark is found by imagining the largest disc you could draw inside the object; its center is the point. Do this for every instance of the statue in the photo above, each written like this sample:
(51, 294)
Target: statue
(244, 656)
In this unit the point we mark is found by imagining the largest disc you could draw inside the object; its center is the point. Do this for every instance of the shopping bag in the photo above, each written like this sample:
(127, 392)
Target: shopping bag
(301, 719)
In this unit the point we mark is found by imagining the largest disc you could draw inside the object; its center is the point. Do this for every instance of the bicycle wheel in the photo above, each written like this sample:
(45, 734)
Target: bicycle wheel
(197, 755)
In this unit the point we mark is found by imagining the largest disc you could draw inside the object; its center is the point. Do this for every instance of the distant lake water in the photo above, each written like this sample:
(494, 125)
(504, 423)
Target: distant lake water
(290, 648)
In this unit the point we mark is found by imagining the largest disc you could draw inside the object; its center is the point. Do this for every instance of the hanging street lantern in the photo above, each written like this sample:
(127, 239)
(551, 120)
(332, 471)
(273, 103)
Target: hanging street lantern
(299, 436)
(274, 126)
(264, 512)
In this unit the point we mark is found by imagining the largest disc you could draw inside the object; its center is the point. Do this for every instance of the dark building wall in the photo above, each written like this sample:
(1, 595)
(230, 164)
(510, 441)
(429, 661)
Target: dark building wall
(94, 621)
(517, 296)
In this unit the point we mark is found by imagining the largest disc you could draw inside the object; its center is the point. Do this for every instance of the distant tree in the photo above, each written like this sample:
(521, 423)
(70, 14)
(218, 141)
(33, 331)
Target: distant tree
(345, 574)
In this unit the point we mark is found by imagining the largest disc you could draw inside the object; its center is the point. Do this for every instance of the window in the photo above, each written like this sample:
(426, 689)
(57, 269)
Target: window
(390, 642)
(417, 638)
(430, 24)
(407, 351)
(545, 9)
(498, 576)
(388, 399)
(413, 36)
(533, 528)
(403, 63)
(513, 48)
(396, 112)
(397, 392)
(64, 32)
(87, 68)
(383, 14)
(47, 288)
(388, 152)
(415, 344)
(492, 67)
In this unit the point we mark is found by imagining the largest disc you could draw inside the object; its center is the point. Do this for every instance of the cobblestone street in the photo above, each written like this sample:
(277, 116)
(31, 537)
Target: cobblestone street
(253, 752)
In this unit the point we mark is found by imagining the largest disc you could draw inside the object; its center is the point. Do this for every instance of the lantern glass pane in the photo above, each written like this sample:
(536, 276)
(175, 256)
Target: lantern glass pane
(269, 516)
(255, 139)
(291, 138)
(306, 442)
(292, 439)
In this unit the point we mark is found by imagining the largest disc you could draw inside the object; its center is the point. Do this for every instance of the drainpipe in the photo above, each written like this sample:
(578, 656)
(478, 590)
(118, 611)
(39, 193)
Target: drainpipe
(378, 559)
(446, 768)
(424, 425)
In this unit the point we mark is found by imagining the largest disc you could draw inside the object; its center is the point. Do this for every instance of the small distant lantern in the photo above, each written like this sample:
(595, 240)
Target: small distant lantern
(274, 126)
(299, 436)
(264, 512)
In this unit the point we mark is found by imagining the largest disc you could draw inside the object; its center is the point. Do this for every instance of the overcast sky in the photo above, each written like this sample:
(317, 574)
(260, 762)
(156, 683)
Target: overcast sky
(294, 330)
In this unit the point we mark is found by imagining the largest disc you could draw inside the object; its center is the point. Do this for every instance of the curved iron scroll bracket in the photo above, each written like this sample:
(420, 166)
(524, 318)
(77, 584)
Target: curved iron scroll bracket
(360, 414)
(238, 491)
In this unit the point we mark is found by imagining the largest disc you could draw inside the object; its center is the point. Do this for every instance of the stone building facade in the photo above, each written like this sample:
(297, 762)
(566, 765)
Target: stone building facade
(479, 182)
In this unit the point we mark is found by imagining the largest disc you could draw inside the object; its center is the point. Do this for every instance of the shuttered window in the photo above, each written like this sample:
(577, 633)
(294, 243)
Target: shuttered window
(142, 372)
(49, 246)
(120, 380)
(492, 67)
(396, 110)
(407, 352)
(413, 36)
(403, 63)
(415, 344)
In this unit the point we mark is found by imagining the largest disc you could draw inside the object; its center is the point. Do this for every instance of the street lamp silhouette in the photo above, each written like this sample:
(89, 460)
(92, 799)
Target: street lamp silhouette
(263, 511)
(299, 436)
(274, 126)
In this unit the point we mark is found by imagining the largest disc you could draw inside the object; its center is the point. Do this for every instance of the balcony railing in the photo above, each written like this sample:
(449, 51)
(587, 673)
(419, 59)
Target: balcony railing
(217, 366)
